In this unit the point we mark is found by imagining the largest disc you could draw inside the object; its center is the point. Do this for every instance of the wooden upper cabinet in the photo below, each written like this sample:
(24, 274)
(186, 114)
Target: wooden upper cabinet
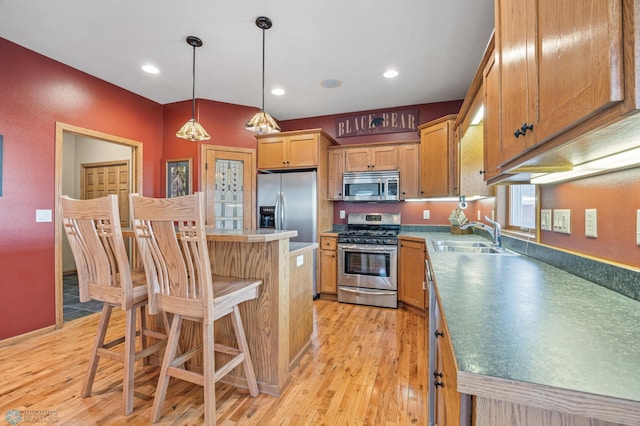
(437, 157)
(335, 158)
(409, 166)
(492, 121)
(384, 157)
(561, 65)
(470, 133)
(282, 151)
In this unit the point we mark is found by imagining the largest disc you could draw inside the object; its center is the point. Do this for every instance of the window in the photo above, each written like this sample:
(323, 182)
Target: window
(522, 206)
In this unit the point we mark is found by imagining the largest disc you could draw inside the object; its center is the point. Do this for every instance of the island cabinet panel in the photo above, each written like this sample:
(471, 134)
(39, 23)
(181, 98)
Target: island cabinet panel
(565, 70)
(300, 303)
(266, 319)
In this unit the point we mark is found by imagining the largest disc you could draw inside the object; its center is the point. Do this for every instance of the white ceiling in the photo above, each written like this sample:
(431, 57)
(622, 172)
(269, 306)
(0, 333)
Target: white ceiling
(436, 45)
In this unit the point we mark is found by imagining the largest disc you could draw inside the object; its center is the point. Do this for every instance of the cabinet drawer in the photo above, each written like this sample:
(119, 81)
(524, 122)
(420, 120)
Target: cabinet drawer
(328, 243)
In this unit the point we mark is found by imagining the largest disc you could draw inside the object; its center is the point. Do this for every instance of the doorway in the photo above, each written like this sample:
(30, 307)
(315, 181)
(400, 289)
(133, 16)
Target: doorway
(77, 147)
(228, 181)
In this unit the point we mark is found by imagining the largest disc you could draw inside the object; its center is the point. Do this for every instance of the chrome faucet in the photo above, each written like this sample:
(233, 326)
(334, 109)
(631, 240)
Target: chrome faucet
(496, 230)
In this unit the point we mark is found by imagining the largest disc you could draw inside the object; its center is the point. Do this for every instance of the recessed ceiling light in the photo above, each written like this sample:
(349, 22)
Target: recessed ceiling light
(150, 69)
(331, 83)
(390, 74)
(278, 91)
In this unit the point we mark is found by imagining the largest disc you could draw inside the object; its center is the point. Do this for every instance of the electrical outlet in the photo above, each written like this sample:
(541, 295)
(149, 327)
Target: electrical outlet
(342, 214)
(545, 220)
(426, 214)
(591, 223)
(479, 215)
(562, 221)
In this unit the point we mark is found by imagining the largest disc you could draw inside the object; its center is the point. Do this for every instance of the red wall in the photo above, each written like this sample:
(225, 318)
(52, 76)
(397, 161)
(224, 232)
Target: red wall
(37, 92)
(224, 123)
(427, 112)
(617, 197)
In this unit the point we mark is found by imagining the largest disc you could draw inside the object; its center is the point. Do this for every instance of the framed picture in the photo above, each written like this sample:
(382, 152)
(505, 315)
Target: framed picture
(179, 177)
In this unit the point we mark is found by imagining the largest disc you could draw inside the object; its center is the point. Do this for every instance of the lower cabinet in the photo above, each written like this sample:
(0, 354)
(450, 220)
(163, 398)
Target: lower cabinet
(411, 273)
(328, 265)
(447, 406)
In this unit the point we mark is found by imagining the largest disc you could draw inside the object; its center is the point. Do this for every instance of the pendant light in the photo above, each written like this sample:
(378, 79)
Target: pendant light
(262, 122)
(192, 130)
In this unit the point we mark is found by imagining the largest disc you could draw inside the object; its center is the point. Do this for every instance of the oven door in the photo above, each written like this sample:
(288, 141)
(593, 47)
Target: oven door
(368, 266)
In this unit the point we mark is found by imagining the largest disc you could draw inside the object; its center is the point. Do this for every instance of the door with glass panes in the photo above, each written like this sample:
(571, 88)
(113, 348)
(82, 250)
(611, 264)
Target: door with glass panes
(229, 186)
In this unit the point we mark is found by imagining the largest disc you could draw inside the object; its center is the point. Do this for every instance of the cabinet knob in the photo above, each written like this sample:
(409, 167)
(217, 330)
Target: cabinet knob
(437, 383)
(438, 333)
(437, 374)
(482, 172)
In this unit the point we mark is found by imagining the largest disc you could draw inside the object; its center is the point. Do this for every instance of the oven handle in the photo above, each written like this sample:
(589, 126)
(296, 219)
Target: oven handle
(365, 290)
(364, 248)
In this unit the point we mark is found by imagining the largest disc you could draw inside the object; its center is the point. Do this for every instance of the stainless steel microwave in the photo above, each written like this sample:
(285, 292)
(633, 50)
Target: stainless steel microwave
(371, 186)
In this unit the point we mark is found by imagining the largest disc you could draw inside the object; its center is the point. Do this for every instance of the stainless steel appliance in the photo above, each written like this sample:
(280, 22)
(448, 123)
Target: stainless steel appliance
(368, 260)
(371, 186)
(288, 201)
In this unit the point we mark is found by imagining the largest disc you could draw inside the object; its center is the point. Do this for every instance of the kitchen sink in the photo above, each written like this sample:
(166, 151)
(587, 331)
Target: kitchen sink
(468, 247)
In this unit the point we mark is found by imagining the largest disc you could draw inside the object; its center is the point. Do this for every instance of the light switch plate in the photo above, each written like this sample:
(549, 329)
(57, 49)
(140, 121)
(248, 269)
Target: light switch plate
(43, 215)
(591, 223)
(342, 214)
(545, 220)
(562, 221)
(426, 214)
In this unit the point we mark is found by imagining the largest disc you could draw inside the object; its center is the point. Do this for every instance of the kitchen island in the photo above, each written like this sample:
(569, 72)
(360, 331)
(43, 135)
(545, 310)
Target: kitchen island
(533, 344)
(272, 322)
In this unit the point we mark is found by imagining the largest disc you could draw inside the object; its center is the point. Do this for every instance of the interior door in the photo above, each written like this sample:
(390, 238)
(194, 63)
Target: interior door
(101, 179)
(228, 183)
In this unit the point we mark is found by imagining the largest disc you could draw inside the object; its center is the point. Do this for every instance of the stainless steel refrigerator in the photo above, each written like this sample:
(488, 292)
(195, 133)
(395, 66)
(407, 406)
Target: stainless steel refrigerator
(290, 198)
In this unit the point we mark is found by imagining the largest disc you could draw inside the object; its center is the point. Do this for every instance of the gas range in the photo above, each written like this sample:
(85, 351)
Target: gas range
(371, 228)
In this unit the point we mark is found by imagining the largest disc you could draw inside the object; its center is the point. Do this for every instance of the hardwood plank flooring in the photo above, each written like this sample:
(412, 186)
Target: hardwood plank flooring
(365, 366)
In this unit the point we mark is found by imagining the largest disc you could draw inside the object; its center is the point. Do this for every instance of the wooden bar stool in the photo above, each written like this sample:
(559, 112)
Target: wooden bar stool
(171, 237)
(94, 234)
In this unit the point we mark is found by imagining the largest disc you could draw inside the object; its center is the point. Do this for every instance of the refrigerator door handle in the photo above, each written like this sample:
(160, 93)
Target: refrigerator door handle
(277, 223)
(283, 211)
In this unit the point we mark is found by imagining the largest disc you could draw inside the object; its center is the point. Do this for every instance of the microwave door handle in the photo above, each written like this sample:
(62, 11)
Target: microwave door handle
(381, 192)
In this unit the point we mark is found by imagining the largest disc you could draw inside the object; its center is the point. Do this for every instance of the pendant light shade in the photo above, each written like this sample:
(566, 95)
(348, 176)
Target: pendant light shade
(192, 130)
(262, 122)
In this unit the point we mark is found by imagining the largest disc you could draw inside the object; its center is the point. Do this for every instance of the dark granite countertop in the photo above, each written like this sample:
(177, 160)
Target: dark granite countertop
(518, 319)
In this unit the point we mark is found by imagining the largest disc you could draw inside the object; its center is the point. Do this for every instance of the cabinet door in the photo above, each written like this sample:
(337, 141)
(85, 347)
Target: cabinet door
(412, 280)
(302, 151)
(579, 57)
(384, 158)
(335, 158)
(515, 32)
(492, 134)
(434, 159)
(356, 159)
(409, 166)
(272, 153)
(328, 271)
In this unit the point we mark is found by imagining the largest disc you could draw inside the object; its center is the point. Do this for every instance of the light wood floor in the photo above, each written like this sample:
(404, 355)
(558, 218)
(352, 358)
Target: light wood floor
(366, 366)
